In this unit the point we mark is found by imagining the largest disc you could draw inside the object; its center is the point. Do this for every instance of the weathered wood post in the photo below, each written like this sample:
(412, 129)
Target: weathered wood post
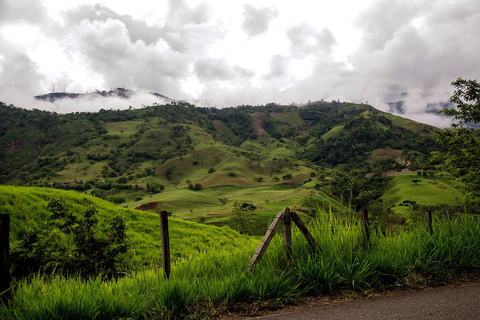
(428, 219)
(303, 229)
(257, 256)
(165, 243)
(285, 217)
(287, 235)
(4, 255)
(364, 221)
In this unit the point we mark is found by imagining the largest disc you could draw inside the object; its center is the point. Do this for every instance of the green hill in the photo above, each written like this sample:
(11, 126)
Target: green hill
(161, 152)
(434, 190)
(28, 209)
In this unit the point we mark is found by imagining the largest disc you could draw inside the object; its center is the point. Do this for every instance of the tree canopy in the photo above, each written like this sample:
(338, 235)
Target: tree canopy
(462, 139)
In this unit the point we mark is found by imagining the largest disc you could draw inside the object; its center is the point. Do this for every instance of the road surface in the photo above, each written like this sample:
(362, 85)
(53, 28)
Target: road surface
(461, 301)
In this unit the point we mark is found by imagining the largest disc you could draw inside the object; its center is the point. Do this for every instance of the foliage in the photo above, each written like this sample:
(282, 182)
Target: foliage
(155, 187)
(127, 143)
(461, 140)
(203, 286)
(195, 186)
(78, 246)
(357, 189)
(242, 217)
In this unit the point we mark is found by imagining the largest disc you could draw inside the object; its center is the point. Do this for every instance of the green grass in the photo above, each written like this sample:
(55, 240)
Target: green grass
(384, 154)
(28, 209)
(429, 191)
(213, 281)
(333, 132)
(418, 127)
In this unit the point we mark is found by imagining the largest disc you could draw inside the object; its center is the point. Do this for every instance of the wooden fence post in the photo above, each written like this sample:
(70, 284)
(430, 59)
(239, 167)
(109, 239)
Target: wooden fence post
(364, 221)
(165, 243)
(303, 229)
(287, 235)
(4, 255)
(428, 219)
(285, 217)
(257, 256)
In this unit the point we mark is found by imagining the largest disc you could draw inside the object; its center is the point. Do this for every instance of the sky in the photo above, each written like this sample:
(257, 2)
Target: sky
(240, 52)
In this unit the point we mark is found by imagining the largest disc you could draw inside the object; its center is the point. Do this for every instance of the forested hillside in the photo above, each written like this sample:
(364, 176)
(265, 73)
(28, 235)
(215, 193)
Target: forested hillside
(166, 155)
(37, 144)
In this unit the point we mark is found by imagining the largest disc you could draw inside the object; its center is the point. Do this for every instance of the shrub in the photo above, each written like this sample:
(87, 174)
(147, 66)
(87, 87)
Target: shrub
(196, 186)
(155, 187)
(78, 246)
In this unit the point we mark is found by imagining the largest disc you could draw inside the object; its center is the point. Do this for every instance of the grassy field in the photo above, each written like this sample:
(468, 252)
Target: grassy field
(418, 127)
(385, 154)
(213, 282)
(28, 209)
(433, 191)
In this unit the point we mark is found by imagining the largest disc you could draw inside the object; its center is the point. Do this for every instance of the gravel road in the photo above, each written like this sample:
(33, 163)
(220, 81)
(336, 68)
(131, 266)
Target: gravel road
(461, 301)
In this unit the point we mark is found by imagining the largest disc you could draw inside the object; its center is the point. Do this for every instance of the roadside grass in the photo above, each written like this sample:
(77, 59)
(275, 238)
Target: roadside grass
(216, 280)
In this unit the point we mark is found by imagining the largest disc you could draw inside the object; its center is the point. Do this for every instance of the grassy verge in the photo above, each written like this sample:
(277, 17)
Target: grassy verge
(214, 280)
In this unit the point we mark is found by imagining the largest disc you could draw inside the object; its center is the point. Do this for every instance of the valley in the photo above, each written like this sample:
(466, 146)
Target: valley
(195, 162)
(84, 190)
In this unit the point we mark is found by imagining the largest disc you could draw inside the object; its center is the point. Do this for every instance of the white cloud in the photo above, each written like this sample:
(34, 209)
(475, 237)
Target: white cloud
(242, 52)
(256, 20)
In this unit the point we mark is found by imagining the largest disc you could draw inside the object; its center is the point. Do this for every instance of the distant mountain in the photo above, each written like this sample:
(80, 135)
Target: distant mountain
(398, 107)
(117, 92)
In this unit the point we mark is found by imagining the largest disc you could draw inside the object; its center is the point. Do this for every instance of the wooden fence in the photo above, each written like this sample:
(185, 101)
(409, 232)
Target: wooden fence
(283, 218)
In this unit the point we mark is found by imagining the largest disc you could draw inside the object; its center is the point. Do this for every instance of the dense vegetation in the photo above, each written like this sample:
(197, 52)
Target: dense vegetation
(137, 156)
(233, 167)
(214, 281)
(37, 144)
(462, 140)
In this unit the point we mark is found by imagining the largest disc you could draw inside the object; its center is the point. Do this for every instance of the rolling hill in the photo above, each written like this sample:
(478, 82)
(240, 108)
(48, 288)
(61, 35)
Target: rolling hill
(184, 159)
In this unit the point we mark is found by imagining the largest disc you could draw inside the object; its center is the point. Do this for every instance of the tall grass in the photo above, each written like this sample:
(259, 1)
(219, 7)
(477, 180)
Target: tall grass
(218, 278)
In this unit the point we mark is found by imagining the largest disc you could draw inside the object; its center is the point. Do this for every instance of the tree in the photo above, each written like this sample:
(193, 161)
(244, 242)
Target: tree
(78, 244)
(196, 186)
(243, 215)
(461, 141)
(168, 172)
(155, 187)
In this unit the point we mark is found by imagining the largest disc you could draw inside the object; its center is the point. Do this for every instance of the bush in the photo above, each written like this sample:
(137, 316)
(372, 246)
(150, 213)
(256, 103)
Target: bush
(155, 187)
(196, 186)
(77, 246)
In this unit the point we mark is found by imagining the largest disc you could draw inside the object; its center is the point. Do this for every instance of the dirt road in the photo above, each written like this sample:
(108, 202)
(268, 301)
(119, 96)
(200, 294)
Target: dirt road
(461, 301)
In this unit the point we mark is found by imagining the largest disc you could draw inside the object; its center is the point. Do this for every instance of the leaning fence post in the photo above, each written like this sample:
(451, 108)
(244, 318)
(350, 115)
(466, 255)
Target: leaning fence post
(165, 243)
(287, 235)
(303, 229)
(4, 255)
(364, 221)
(257, 256)
(428, 219)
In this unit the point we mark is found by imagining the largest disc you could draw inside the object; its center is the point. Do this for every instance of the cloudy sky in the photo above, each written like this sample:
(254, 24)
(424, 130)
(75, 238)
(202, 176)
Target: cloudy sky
(228, 53)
